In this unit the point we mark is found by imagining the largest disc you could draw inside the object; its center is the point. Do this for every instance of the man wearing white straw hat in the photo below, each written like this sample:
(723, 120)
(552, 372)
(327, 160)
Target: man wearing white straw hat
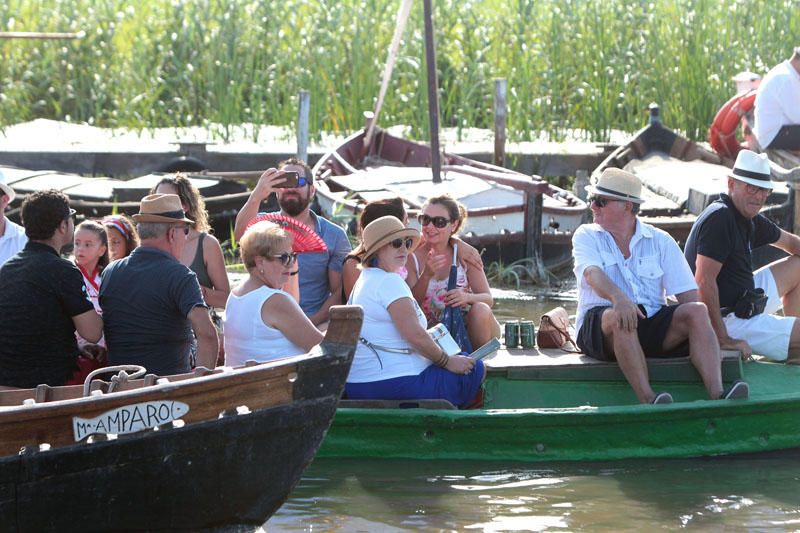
(625, 269)
(12, 236)
(719, 250)
(151, 302)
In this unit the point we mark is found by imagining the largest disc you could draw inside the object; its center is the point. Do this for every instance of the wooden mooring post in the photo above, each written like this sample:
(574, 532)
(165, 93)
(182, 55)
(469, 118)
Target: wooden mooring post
(533, 235)
(500, 113)
(304, 107)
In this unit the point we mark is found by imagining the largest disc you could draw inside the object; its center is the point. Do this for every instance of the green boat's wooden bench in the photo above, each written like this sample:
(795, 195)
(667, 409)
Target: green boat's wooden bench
(559, 365)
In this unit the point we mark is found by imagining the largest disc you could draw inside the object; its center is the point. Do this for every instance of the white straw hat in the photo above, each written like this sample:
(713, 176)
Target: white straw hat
(8, 191)
(752, 168)
(618, 184)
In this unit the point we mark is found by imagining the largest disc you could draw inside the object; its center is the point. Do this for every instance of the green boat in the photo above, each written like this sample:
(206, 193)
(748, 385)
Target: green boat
(567, 407)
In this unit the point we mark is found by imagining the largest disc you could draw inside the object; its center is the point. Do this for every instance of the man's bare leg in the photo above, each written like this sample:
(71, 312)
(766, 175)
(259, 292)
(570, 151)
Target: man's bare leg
(628, 351)
(786, 272)
(690, 321)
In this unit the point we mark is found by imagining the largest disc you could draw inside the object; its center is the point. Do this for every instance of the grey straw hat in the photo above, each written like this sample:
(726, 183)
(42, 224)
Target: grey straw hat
(617, 184)
(161, 208)
(384, 230)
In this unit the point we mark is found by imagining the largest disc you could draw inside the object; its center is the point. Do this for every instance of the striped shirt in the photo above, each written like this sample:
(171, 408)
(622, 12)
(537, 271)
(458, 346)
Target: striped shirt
(655, 269)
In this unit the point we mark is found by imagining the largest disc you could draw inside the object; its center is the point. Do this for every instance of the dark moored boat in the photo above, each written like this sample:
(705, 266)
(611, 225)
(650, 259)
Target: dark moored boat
(680, 178)
(347, 178)
(97, 197)
(117, 461)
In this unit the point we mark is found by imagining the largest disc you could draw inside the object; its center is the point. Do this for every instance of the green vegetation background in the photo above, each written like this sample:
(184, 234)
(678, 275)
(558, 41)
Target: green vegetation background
(592, 65)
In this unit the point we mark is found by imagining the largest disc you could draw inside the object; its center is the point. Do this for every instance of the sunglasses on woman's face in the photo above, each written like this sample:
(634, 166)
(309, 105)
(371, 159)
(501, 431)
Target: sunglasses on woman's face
(397, 243)
(286, 258)
(438, 222)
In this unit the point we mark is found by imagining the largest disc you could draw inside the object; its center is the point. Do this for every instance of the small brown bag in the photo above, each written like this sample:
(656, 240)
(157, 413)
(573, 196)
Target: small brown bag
(554, 330)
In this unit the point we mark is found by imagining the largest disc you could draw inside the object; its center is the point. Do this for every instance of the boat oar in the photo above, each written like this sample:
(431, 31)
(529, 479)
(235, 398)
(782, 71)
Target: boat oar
(402, 18)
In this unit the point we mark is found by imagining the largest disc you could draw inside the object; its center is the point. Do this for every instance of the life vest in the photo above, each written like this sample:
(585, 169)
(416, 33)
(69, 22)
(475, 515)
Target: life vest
(722, 134)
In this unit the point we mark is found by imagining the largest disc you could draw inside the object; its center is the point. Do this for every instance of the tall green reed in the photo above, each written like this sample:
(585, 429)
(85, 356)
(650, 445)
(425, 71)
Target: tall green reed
(587, 65)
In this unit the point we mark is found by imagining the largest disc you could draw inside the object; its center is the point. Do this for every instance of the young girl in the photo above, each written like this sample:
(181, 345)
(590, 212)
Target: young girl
(91, 257)
(121, 235)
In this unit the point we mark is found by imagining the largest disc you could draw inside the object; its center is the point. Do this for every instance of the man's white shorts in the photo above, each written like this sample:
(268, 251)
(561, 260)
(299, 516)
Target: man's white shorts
(767, 334)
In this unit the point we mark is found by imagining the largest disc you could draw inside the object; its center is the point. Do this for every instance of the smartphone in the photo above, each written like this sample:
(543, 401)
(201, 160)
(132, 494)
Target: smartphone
(292, 180)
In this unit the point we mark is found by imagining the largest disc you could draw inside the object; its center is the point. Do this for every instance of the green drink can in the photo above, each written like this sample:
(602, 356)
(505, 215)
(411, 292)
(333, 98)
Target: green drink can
(512, 334)
(526, 334)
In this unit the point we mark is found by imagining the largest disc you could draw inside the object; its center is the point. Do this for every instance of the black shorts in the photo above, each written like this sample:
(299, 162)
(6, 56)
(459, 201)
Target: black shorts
(651, 331)
(788, 138)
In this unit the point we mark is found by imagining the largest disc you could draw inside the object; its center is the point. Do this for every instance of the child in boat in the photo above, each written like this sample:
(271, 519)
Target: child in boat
(429, 268)
(91, 257)
(121, 236)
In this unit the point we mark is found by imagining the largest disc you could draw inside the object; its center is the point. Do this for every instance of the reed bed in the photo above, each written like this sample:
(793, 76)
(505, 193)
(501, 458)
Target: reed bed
(571, 65)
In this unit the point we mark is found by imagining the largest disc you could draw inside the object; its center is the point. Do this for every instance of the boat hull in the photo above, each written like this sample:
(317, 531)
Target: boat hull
(602, 422)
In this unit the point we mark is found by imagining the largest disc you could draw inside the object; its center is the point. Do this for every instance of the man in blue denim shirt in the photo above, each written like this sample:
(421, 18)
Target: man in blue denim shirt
(320, 273)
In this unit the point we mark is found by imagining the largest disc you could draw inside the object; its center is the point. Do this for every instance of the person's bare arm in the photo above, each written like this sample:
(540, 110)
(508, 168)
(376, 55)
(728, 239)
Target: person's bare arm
(206, 333)
(350, 274)
(335, 297)
(788, 242)
(404, 316)
(89, 325)
(705, 275)
(628, 313)
(265, 186)
(287, 317)
(215, 265)
(468, 254)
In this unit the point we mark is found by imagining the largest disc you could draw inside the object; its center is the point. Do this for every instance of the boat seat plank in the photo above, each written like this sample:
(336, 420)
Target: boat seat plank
(397, 404)
(558, 365)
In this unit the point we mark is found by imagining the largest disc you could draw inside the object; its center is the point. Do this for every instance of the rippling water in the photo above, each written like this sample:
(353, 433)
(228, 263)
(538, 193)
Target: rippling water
(753, 493)
(733, 493)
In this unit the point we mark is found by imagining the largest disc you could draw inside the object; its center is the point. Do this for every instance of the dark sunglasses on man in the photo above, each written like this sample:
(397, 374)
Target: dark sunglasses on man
(601, 202)
(438, 222)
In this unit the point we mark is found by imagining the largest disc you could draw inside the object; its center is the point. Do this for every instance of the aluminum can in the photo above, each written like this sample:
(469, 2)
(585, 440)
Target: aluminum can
(527, 334)
(512, 334)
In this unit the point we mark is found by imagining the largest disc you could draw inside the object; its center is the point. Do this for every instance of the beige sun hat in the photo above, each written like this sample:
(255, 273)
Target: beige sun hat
(161, 208)
(618, 184)
(752, 168)
(8, 191)
(384, 230)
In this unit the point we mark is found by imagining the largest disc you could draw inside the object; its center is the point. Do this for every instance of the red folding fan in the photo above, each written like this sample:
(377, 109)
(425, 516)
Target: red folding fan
(306, 239)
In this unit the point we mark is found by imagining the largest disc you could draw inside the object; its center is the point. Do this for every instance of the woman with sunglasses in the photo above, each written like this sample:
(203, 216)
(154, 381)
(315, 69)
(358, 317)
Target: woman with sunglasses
(396, 358)
(429, 270)
(262, 322)
(394, 207)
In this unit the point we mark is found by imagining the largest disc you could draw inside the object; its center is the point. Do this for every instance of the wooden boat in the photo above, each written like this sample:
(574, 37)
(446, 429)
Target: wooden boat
(97, 197)
(680, 178)
(214, 448)
(566, 407)
(346, 178)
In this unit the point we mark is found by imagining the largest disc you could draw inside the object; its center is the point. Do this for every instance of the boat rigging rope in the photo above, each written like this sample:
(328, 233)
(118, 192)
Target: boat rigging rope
(137, 371)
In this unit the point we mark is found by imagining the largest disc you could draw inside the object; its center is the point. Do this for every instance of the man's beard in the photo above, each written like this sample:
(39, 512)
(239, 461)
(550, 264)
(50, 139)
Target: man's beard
(294, 206)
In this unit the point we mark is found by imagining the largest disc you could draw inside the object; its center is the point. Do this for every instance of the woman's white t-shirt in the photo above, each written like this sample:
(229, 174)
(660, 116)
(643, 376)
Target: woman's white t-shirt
(375, 290)
(247, 337)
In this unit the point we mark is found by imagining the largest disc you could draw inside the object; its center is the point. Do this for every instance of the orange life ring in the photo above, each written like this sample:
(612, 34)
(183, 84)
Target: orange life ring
(722, 134)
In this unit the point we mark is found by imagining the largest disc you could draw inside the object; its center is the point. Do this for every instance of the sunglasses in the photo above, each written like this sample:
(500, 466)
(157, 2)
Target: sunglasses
(397, 243)
(286, 258)
(601, 202)
(438, 222)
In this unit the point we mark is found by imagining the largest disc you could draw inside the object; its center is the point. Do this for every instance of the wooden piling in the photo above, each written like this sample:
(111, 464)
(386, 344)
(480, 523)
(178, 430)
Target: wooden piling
(302, 125)
(533, 235)
(500, 113)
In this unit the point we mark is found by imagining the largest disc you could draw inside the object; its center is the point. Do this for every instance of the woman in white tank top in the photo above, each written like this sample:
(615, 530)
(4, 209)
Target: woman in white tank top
(262, 322)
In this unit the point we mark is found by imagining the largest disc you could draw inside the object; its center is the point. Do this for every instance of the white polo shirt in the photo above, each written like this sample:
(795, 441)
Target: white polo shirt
(777, 102)
(12, 241)
(655, 269)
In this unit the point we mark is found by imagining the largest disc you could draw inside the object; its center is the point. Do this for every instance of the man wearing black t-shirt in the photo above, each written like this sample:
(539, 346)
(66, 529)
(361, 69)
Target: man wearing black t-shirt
(719, 251)
(43, 300)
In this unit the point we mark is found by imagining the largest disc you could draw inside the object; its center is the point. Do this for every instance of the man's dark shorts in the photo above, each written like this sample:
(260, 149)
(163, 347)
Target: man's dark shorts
(651, 331)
